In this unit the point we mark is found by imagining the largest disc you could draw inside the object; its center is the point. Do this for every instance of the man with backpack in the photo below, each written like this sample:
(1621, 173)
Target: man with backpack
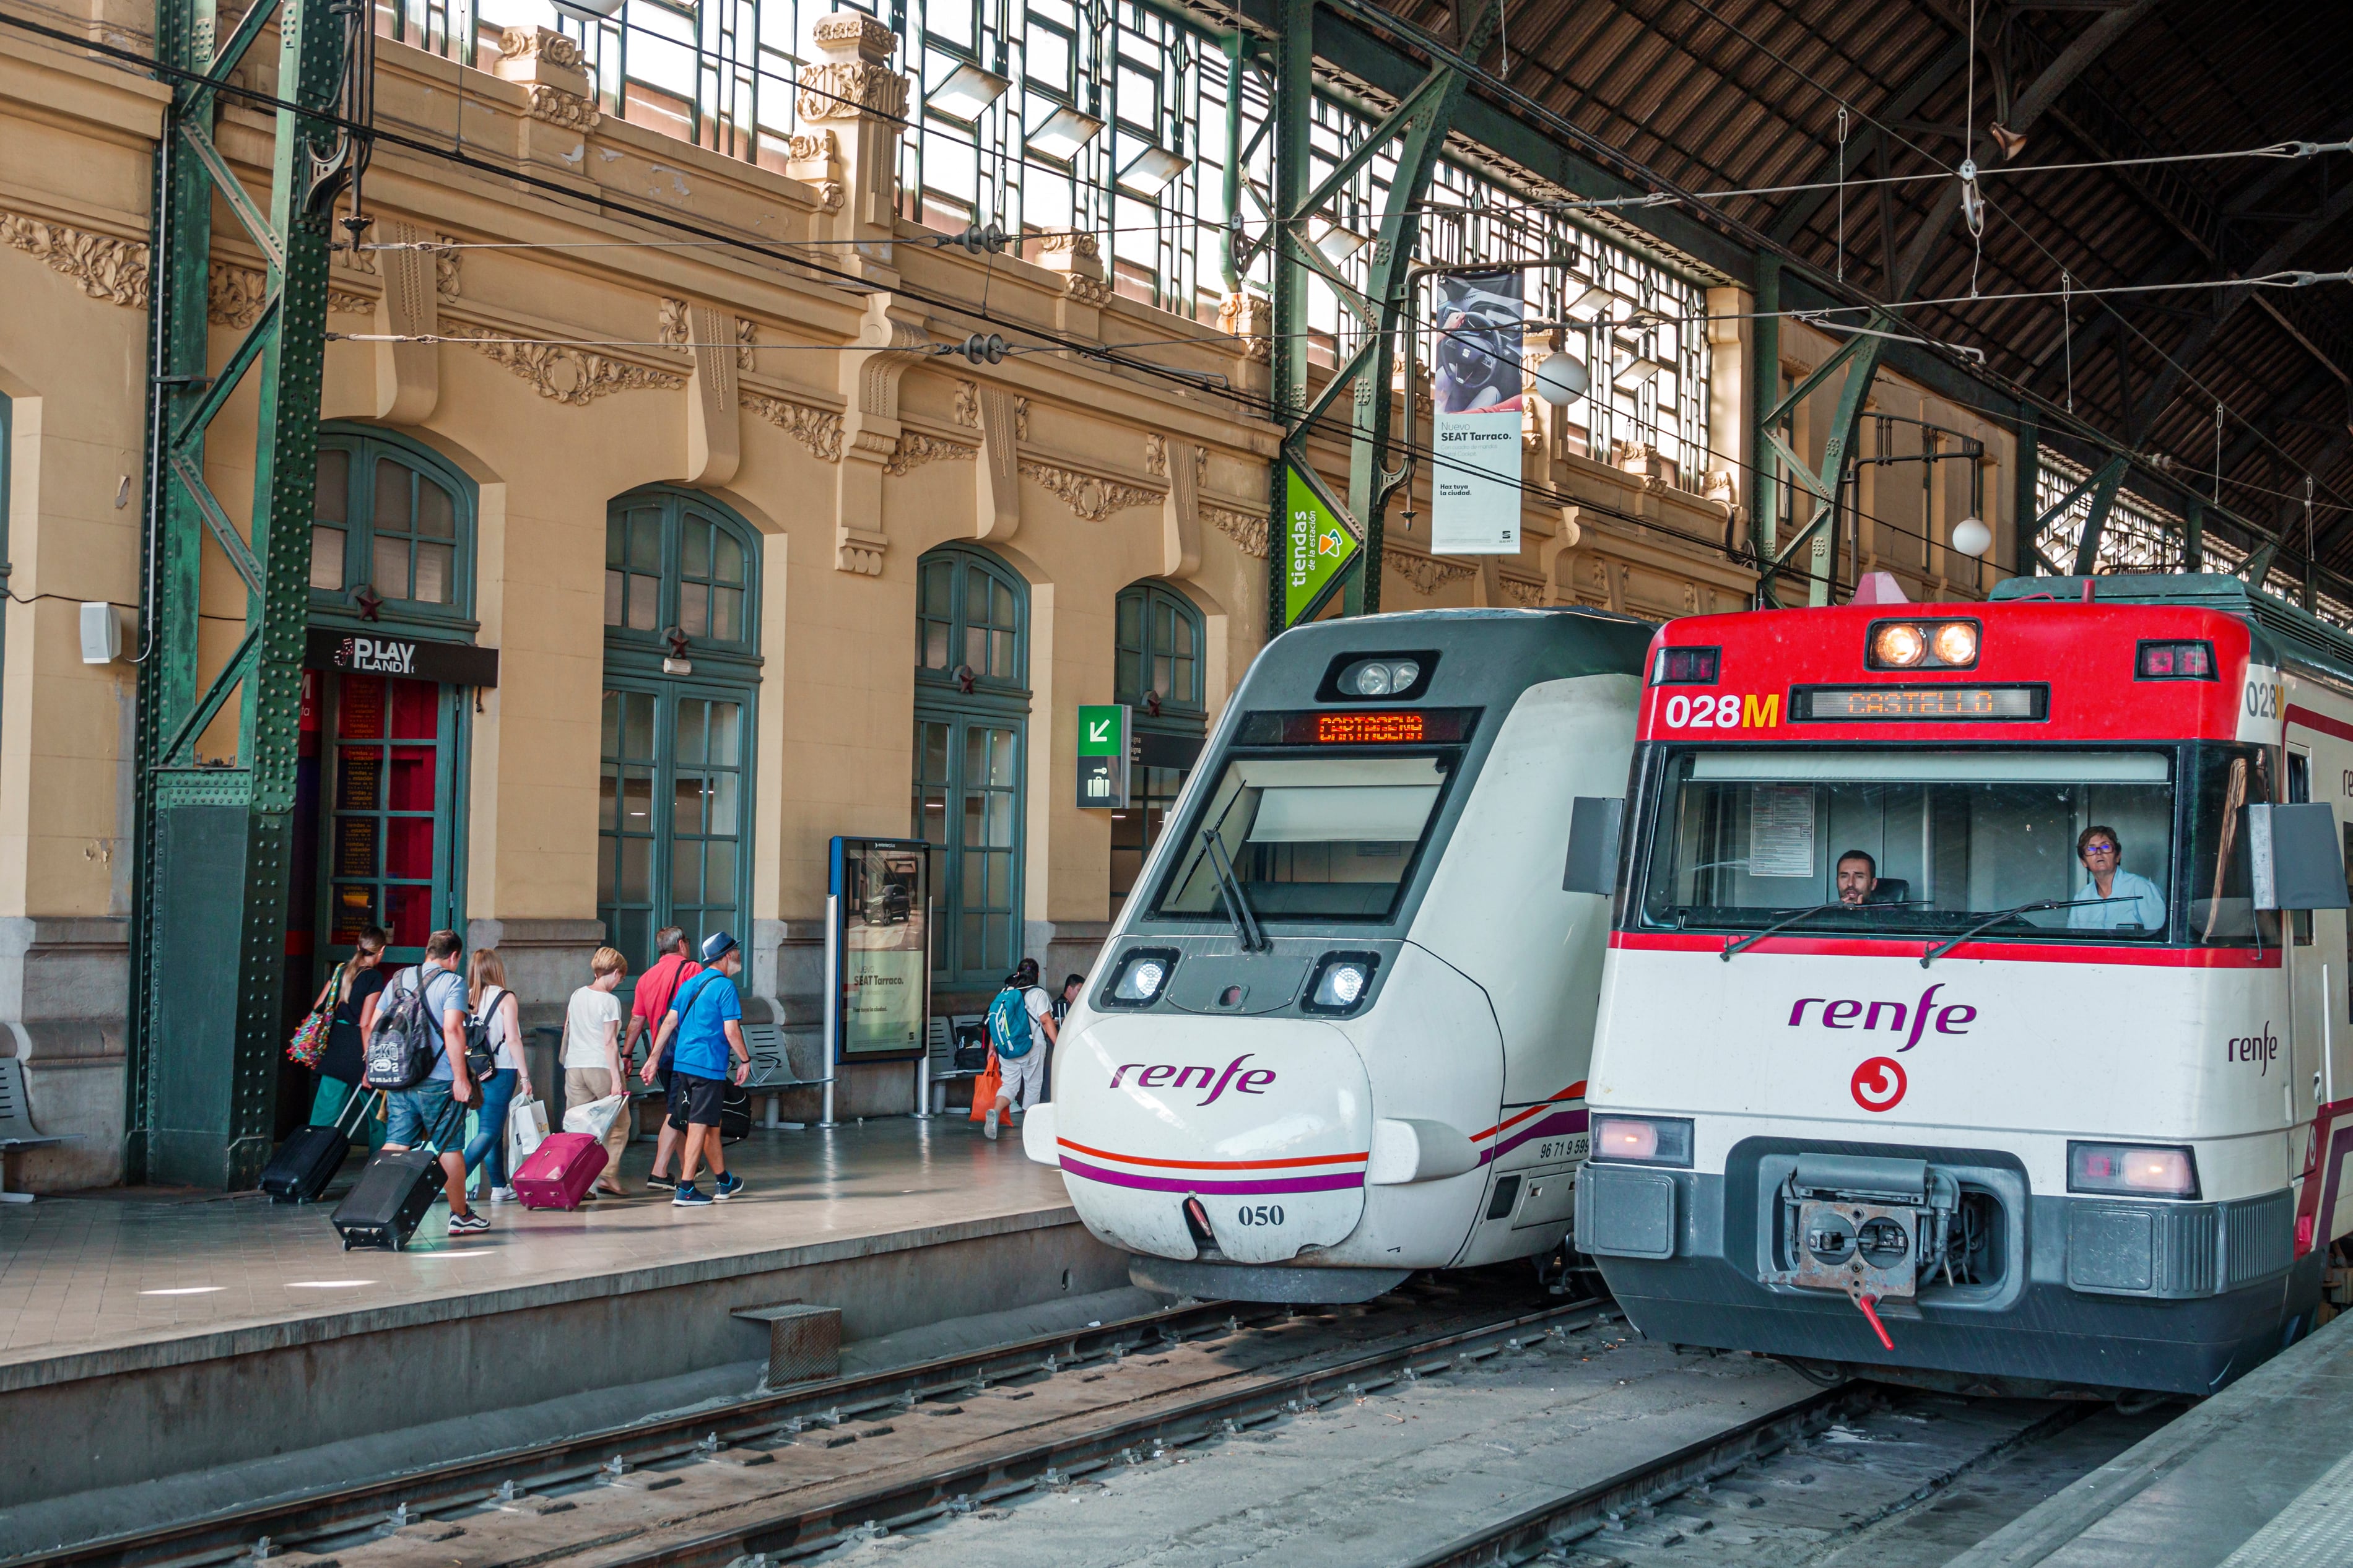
(1015, 1019)
(423, 1008)
(705, 1032)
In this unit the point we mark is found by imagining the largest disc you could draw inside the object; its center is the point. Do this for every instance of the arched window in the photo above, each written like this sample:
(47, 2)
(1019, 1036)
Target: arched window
(1158, 675)
(394, 523)
(681, 595)
(972, 707)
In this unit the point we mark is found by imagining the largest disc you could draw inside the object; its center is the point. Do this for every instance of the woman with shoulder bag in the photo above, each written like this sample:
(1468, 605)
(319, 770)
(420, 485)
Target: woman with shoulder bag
(501, 1020)
(355, 985)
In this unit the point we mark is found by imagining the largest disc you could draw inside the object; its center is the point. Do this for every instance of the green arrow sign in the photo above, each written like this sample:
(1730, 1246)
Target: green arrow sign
(1103, 731)
(1319, 542)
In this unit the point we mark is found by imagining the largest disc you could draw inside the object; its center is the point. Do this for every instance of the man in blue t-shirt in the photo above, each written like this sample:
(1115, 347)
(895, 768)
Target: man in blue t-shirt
(419, 1114)
(705, 1016)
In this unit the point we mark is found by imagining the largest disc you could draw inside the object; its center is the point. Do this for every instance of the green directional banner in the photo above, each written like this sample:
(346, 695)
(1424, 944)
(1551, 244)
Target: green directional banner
(1320, 543)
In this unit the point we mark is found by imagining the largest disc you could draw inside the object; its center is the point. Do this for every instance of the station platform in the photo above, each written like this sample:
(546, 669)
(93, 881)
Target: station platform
(148, 1334)
(2260, 1476)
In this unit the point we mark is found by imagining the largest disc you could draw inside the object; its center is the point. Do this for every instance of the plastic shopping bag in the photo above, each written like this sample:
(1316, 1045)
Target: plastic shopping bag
(526, 1131)
(595, 1118)
(984, 1090)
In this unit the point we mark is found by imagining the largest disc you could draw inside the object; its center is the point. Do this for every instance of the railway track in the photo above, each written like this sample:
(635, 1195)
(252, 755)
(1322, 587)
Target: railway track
(624, 1492)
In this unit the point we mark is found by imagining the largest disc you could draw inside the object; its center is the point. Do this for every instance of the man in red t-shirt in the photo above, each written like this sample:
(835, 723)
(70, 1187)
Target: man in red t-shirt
(655, 989)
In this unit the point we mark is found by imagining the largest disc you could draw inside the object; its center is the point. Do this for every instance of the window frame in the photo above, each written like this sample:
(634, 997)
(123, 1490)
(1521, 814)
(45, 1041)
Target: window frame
(678, 508)
(366, 445)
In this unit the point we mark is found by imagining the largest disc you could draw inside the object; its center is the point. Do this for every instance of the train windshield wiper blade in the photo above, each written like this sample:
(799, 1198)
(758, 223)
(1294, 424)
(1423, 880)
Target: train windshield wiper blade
(1229, 887)
(1748, 941)
(1943, 948)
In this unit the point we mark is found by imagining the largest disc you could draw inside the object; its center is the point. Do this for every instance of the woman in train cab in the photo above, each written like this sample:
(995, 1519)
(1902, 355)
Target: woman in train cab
(2132, 899)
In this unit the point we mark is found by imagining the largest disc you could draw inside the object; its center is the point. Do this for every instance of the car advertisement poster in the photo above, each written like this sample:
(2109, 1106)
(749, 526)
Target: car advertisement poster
(1475, 477)
(882, 897)
(1320, 543)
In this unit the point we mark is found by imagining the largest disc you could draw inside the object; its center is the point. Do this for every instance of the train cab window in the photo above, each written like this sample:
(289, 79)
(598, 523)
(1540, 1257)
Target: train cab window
(2223, 910)
(2009, 843)
(1309, 837)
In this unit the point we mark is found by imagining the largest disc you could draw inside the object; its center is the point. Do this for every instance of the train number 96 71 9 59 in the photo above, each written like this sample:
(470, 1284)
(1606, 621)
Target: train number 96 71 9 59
(1260, 1214)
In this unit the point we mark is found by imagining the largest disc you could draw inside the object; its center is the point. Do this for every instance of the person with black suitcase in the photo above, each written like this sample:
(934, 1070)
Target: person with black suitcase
(417, 1056)
(397, 1186)
(310, 1156)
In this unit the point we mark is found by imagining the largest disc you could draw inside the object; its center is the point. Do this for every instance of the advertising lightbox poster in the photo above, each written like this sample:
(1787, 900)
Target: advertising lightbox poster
(1320, 543)
(881, 889)
(1475, 478)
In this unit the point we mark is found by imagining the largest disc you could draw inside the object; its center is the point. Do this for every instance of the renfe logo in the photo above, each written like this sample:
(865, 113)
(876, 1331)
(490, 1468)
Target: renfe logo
(1843, 1015)
(2262, 1049)
(1164, 1076)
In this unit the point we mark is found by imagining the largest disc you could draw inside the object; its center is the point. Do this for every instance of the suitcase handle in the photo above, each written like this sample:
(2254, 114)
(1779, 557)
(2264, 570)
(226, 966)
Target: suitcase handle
(362, 1098)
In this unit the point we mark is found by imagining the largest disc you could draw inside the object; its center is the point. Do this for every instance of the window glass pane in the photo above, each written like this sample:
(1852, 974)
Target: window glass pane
(726, 738)
(686, 872)
(687, 742)
(731, 559)
(436, 516)
(1163, 676)
(976, 597)
(1126, 679)
(727, 614)
(975, 650)
(1131, 619)
(331, 502)
(327, 558)
(605, 855)
(635, 881)
(1000, 656)
(390, 577)
(645, 540)
(612, 737)
(608, 799)
(616, 588)
(1182, 641)
(637, 736)
(637, 801)
(645, 602)
(722, 805)
(614, 530)
(434, 564)
(935, 644)
(1310, 836)
(719, 874)
(693, 609)
(392, 481)
(695, 541)
(686, 804)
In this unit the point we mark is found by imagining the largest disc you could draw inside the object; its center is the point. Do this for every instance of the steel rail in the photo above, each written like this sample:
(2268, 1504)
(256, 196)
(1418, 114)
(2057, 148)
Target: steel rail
(795, 1532)
(219, 1537)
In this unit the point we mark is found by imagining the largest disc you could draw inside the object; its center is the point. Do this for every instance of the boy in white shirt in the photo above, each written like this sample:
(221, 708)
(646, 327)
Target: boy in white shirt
(592, 1056)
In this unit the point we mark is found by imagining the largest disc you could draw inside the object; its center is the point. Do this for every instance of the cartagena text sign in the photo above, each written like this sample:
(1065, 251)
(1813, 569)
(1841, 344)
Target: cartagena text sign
(882, 890)
(1319, 545)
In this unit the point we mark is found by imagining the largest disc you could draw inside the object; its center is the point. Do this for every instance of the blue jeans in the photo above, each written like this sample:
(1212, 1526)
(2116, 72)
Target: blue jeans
(489, 1145)
(416, 1114)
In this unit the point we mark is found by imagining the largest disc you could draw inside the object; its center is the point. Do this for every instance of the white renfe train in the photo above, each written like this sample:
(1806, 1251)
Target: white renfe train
(1888, 1080)
(1340, 1031)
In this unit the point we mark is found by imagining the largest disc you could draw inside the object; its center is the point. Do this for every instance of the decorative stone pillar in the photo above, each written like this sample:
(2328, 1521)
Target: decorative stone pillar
(869, 430)
(1077, 259)
(1250, 318)
(407, 375)
(563, 101)
(997, 477)
(852, 104)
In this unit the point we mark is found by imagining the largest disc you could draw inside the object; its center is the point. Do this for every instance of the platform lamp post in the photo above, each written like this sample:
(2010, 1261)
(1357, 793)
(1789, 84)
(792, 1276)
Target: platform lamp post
(213, 839)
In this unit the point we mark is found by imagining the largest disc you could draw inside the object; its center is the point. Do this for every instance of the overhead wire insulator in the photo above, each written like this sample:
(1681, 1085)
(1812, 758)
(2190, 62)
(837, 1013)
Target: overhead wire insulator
(982, 348)
(980, 241)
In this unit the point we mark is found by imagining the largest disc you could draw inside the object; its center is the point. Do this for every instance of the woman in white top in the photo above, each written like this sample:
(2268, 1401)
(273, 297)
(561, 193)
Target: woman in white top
(592, 1056)
(494, 1004)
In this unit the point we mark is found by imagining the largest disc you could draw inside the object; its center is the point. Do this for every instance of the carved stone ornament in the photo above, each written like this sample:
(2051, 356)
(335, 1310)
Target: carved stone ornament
(567, 374)
(1425, 574)
(1243, 529)
(915, 449)
(1075, 243)
(564, 111)
(558, 49)
(1252, 319)
(810, 147)
(1091, 500)
(669, 325)
(747, 341)
(844, 31)
(845, 89)
(819, 429)
(1520, 590)
(1021, 419)
(106, 268)
(967, 404)
(234, 295)
(1155, 456)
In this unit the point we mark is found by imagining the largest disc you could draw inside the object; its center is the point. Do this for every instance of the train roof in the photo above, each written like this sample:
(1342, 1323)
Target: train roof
(2292, 633)
(1484, 657)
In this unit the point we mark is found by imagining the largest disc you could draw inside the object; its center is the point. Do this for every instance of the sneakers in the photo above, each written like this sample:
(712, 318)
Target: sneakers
(667, 1183)
(467, 1221)
(688, 1198)
(503, 1196)
(989, 1132)
(729, 1185)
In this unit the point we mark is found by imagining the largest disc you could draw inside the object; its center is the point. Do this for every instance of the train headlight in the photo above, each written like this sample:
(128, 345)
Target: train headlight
(1922, 645)
(1340, 982)
(1141, 975)
(1955, 643)
(1898, 646)
(2156, 1171)
(1642, 1140)
(1389, 675)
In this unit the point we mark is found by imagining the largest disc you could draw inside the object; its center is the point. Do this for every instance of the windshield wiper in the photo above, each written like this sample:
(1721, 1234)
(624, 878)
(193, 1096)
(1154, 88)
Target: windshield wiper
(1229, 887)
(1748, 941)
(1943, 948)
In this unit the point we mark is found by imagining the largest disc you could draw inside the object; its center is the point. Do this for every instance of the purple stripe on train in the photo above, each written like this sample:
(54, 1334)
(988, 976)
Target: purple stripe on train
(1542, 1127)
(1329, 1184)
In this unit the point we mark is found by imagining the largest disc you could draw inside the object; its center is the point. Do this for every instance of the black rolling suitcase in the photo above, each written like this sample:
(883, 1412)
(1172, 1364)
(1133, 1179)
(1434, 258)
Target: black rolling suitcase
(393, 1192)
(734, 1114)
(310, 1156)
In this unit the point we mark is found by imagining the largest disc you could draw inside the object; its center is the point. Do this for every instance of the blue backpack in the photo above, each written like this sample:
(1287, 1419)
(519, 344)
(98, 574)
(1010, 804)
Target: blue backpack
(1009, 1024)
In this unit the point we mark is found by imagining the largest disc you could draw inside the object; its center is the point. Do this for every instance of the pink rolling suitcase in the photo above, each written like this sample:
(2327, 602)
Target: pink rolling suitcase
(558, 1173)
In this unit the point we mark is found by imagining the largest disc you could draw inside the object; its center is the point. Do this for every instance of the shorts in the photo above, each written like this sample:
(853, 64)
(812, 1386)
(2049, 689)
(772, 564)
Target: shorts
(413, 1115)
(695, 1101)
(670, 1090)
(1023, 1077)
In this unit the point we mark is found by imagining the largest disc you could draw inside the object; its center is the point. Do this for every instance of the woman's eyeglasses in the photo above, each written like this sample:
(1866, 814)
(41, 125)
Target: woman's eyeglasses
(2097, 849)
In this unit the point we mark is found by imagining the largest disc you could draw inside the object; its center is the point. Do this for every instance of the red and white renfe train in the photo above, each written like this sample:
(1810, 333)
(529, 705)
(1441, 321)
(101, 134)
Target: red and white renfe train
(1888, 1080)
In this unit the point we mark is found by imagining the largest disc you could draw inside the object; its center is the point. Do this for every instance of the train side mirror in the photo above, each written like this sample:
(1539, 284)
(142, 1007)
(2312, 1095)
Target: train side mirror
(2294, 858)
(1594, 824)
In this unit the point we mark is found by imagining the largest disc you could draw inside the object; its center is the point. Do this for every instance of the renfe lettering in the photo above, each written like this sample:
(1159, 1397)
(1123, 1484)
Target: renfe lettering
(2262, 1049)
(1952, 1018)
(1163, 1074)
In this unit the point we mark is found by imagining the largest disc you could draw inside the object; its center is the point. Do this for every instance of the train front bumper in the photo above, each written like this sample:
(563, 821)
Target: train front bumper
(2094, 1294)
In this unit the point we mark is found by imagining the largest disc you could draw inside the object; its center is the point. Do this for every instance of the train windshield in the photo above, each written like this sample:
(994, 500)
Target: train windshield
(2077, 845)
(1309, 837)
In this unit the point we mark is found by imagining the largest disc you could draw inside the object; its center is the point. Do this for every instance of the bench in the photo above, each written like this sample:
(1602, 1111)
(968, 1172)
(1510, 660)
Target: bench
(772, 1069)
(943, 1037)
(17, 1130)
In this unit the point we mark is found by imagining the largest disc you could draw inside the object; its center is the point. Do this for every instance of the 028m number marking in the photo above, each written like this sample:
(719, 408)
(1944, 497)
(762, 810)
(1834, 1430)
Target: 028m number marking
(1264, 1214)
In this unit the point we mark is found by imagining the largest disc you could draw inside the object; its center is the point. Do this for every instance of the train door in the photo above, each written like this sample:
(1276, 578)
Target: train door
(2311, 977)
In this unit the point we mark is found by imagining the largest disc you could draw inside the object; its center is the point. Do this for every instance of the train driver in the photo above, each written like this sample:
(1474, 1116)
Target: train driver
(2139, 904)
(1858, 876)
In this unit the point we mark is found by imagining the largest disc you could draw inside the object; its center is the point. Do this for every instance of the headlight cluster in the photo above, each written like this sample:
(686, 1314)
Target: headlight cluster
(1642, 1140)
(2160, 1171)
(1340, 982)
(1379, 677)
(1922, 645)
(1139, 976)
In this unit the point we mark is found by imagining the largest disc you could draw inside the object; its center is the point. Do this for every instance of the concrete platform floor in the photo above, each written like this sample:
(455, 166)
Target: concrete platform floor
(83, 1274)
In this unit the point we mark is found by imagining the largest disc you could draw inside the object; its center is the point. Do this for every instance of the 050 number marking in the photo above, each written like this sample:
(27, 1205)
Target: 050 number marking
(1264, 1214)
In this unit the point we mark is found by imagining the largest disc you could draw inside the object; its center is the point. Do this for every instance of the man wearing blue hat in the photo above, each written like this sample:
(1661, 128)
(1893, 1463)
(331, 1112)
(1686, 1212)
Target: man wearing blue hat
(706, 1016)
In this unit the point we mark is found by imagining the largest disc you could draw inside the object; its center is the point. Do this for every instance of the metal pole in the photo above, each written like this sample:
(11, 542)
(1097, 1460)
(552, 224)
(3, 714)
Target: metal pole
(1294, 89)
(1764, 395)
(2026, 557)
(832, 996)
(923, 1062)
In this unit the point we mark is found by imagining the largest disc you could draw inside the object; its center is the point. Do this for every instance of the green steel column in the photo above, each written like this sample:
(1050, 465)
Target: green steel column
(2025, 557)
(1764, 395)
(2193, 536)
(1294, 87)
